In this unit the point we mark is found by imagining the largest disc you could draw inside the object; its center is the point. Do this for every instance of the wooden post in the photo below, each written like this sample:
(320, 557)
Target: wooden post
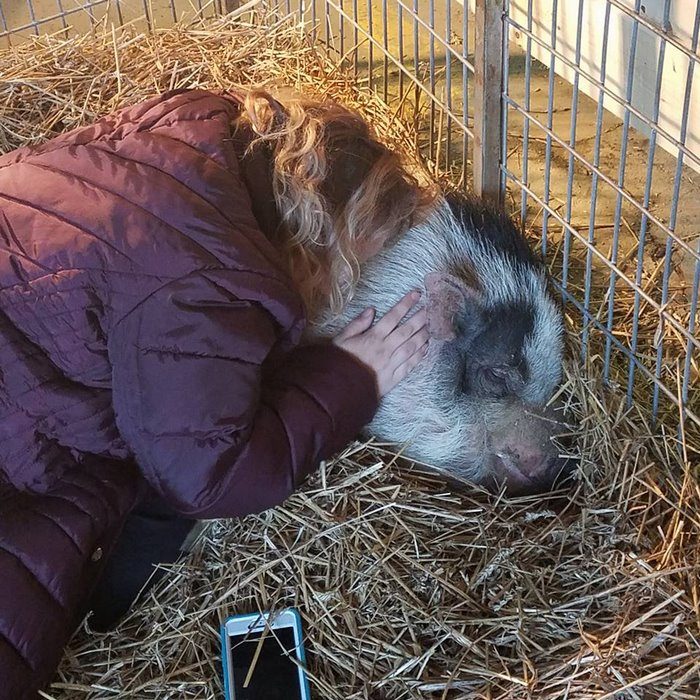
(230, 5)
(488, 123)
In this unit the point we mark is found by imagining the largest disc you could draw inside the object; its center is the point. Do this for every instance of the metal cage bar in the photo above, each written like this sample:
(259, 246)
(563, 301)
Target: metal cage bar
(594, 196)
(573, 122)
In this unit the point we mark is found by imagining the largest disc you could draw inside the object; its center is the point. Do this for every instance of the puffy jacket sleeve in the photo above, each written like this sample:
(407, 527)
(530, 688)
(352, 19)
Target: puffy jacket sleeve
(214, 429)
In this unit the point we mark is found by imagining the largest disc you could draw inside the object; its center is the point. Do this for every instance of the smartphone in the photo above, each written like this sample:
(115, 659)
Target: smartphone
(259, 652)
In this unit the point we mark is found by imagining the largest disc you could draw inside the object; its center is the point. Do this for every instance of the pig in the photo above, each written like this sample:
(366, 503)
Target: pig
(476, 408)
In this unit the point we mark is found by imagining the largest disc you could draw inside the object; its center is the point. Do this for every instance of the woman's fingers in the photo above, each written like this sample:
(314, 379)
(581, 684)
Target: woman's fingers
(407, 329)
(358, 325)
(409, 364)
(410, 347)
(391, 349)
(393, 317)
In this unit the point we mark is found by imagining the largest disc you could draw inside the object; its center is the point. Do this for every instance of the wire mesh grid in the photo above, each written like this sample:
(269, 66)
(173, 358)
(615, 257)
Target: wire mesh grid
(20, 19)
(596, 151)
(584, 115)
(597, 97)
(416, 56)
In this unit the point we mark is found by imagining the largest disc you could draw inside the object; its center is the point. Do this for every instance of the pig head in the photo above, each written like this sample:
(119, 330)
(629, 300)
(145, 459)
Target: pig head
(477, 406)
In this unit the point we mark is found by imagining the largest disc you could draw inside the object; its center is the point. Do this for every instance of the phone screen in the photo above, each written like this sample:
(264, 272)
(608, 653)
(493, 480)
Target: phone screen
(276, 676)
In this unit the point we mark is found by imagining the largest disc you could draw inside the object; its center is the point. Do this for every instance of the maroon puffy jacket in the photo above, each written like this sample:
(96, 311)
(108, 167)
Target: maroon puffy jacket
(144, 320)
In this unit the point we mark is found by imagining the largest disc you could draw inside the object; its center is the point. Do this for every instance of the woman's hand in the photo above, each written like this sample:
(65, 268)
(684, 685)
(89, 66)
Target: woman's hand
(389, 349)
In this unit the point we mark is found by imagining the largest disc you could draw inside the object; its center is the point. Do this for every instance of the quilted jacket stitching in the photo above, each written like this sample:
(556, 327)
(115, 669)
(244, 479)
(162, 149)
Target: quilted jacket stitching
(34, 576)
(5, 637)
(64, 220)
(58, 525)
(135, 205)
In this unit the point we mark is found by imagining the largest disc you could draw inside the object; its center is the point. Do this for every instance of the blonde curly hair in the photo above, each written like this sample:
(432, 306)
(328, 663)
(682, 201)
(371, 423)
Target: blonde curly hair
(342, 195)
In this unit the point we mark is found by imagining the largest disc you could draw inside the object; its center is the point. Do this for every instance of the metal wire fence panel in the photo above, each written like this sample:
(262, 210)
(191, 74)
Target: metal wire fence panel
(417, 56)
(20, 19)
(602, 158)
(598, 143)
(583, 115)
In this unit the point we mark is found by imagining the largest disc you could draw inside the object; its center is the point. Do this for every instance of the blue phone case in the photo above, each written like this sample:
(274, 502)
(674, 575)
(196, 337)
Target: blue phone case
(224, 656)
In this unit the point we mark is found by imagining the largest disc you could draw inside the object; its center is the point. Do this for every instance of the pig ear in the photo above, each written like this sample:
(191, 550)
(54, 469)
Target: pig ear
(447, 297)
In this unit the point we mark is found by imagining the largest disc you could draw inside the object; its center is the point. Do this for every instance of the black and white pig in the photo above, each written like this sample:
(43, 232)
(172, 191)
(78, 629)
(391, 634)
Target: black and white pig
(476, 407)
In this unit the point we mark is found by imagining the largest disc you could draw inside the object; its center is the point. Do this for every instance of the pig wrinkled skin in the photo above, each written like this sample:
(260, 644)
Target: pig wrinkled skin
(476, 407)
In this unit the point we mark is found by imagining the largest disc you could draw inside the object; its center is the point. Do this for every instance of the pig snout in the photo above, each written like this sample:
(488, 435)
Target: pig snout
(532, 465)
(531, 473)
(525, 458)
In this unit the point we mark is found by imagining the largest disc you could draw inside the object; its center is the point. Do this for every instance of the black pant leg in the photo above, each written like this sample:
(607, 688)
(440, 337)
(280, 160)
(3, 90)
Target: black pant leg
(153, 534)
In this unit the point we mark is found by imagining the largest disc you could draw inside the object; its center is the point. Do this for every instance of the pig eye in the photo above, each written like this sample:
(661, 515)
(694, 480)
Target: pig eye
(495, 379)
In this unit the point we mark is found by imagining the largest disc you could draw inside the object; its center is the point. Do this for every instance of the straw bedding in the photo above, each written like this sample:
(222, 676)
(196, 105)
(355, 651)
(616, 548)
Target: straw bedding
(408, 586)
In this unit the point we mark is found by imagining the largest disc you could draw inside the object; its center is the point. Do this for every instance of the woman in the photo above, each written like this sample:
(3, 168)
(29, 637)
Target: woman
(156, 272)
